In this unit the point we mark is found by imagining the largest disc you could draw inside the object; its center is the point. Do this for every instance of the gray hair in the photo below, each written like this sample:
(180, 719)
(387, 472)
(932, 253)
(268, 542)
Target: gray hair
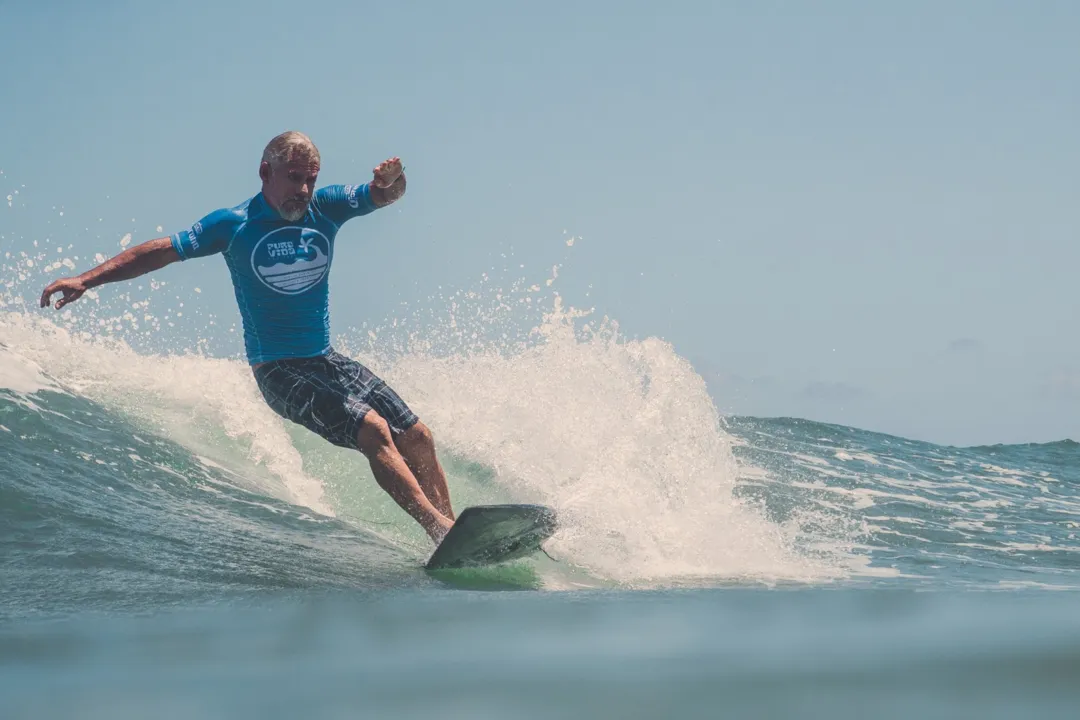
(287, 146)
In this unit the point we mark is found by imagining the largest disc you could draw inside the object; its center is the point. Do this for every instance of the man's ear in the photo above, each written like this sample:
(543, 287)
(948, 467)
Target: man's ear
(264, 171)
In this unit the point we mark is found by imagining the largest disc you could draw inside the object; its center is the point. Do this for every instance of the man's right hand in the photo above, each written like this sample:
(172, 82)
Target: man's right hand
(73, 289)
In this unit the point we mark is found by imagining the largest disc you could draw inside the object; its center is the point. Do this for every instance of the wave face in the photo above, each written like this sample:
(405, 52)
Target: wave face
(994, 517)
(157, 478)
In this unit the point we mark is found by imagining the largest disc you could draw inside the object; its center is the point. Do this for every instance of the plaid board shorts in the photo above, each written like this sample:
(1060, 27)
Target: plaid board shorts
(330, 395)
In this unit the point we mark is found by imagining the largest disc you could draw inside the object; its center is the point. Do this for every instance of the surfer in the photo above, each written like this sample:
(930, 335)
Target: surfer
(278, 246)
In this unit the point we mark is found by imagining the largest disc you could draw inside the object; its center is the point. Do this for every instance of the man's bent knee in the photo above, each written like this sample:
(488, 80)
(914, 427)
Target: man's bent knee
(418, 433)
(374, 434)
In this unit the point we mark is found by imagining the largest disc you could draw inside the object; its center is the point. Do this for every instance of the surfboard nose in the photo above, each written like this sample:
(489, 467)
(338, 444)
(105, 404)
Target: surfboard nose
(490, 534)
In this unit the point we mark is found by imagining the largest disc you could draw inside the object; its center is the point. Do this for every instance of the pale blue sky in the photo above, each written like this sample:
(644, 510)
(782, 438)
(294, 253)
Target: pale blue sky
(838, 210)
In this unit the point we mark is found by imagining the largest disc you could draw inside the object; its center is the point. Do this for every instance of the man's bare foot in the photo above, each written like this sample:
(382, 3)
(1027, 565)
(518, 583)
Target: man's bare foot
(438, 532)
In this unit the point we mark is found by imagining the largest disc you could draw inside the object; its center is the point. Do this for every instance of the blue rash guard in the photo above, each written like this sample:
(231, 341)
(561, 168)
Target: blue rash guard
(279, 268)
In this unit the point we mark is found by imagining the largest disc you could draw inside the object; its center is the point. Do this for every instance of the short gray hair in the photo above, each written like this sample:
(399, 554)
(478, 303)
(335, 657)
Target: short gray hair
(287, 145)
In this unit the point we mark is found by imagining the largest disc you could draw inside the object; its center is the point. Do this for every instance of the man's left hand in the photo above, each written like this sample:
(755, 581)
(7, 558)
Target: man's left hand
(388, 184)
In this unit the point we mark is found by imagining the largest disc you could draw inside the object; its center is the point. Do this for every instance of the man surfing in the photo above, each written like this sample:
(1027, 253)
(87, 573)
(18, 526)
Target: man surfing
(278, 246)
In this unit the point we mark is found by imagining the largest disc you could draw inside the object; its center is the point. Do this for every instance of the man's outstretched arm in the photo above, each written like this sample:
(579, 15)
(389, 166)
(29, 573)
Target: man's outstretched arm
(341, 203)
(133, 262)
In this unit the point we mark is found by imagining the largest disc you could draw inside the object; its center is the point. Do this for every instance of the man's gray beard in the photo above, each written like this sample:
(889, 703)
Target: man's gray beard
(293, 215)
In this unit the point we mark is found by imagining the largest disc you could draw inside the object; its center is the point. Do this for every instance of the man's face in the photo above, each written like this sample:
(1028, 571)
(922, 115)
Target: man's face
(288, 188)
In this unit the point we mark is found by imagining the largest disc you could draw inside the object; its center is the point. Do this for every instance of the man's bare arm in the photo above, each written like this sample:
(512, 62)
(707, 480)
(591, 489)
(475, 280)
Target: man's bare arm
(133, 262)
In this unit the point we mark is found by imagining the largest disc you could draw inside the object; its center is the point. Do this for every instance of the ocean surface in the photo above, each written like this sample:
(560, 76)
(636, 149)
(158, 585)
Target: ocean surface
(170, 548)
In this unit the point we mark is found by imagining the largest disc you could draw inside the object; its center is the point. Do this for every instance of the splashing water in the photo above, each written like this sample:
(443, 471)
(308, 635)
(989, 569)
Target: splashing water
(620, 436)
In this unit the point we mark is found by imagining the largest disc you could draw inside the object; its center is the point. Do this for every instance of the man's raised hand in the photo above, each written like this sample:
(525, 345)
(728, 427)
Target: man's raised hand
(388, 183)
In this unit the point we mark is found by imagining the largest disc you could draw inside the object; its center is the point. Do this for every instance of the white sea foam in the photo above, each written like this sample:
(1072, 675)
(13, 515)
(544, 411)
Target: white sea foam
(22, 375)
(621, 437)
(178, 397)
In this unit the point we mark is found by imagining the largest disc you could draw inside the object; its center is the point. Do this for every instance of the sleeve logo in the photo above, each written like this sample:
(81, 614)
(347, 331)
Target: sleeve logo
(350, 195)
(193, 235)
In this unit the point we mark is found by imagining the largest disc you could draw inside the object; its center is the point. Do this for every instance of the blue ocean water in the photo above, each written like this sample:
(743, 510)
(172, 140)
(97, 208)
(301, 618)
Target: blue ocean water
(171, 548)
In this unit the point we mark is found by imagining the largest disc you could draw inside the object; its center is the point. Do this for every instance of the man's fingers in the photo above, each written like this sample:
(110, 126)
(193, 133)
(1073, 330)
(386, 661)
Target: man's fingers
(50, 290)
(386, 167)
(70, 295)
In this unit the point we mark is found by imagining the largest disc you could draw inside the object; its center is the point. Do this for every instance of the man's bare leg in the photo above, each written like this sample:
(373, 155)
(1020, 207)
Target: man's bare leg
(417, 447)
(394, 476)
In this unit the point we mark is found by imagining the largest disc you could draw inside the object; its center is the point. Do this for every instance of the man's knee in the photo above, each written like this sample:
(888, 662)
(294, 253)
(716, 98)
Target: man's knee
(418, 435)
(421, 432)
(374, 434)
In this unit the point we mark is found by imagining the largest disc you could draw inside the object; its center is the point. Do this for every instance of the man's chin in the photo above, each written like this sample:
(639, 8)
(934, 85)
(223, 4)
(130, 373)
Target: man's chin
(293, 213)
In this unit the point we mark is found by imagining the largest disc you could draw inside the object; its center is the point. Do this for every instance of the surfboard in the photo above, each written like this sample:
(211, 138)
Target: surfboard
(491, 534)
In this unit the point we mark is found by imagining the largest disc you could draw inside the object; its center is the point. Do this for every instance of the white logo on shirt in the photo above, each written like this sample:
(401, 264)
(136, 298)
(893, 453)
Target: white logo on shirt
(291, 259)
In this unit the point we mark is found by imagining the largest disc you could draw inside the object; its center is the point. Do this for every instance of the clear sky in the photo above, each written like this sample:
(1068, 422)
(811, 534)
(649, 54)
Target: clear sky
(857, 212)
